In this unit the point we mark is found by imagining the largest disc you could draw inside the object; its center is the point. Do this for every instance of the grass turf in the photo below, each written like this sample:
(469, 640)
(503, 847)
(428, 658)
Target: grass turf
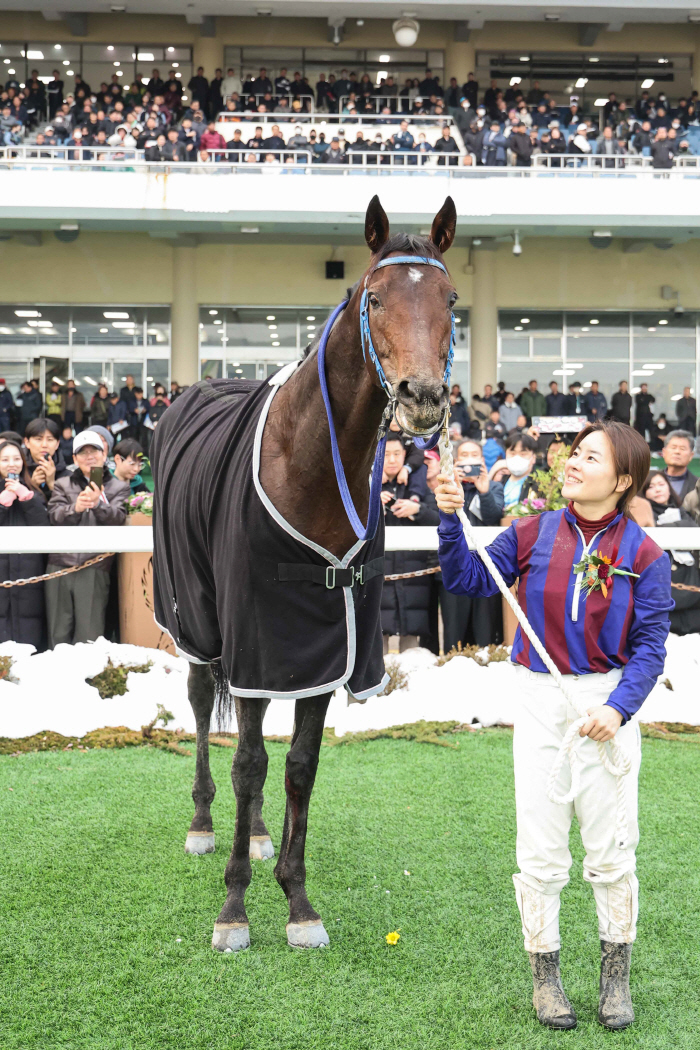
(106, 923)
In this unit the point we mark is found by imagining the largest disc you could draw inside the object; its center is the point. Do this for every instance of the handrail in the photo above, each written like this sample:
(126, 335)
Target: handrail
(318, 118)
(94, 539)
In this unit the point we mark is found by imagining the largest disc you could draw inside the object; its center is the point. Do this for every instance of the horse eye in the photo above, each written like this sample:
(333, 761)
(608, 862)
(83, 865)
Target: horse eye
(373, 301)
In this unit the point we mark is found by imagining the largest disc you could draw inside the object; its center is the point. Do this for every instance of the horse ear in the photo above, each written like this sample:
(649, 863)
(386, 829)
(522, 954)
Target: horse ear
(376, 225)
(442, 233)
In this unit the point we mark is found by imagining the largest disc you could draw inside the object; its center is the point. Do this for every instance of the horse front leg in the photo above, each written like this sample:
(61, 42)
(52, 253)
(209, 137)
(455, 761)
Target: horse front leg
(200, 692)
(261, 847)
(304, 929)
(231, 932)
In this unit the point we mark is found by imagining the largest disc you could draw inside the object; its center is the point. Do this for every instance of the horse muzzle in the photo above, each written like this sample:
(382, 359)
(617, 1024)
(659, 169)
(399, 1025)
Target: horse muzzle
(420, 406)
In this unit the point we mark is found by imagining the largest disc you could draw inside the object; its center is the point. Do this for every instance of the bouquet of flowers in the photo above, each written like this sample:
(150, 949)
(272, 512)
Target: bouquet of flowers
(141, 503)
(546, 493)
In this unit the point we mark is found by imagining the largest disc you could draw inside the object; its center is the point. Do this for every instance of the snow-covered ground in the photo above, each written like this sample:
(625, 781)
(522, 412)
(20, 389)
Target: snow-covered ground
(49, 691)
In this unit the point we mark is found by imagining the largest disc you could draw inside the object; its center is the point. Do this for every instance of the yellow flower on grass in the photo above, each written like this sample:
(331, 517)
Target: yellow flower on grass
(392, 938)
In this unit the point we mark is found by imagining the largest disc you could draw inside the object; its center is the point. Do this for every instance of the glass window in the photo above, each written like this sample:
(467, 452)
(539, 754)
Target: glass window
(157, 370)
(515, 346)
(122, 369)
(588, 347)
(106, 326)
(89, 374)
(210, 369)
(158, 327)
(243, 371)
(265, 329)
(598, 322)
(607, 373)
(45, 325)
(664, 335)
(666, 385)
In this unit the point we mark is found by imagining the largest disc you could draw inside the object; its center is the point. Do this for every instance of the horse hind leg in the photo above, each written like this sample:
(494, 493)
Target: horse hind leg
(261, 847)
(201, 693)
(304, 929)
(248, 774)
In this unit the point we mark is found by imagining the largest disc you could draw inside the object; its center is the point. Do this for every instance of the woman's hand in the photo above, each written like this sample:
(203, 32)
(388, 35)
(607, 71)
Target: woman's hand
(602, 724)
(405, 508)
(12, 484)
(449, 496)
(386, 497)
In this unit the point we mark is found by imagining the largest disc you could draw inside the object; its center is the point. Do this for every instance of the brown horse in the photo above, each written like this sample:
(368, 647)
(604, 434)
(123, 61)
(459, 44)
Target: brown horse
(410, 312)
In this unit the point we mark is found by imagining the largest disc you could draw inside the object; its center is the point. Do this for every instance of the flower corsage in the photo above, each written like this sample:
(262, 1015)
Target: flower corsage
(598, 572)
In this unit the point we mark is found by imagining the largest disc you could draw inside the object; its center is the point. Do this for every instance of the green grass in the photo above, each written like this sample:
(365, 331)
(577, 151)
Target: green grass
(106, 923)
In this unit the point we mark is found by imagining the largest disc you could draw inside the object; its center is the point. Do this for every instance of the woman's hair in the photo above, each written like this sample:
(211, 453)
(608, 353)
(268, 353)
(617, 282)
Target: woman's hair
(673, 500)
(11, 435)
(23, 474)
(631, 455)
(38, 427)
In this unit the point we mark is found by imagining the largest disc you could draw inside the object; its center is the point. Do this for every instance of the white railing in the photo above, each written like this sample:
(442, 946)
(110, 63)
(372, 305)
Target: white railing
(319, 120)
(306, 100)
(65, 539)
(596, 162)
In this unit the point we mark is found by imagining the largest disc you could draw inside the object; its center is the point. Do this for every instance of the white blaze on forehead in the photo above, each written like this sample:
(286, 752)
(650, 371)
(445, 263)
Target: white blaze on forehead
(415, 274)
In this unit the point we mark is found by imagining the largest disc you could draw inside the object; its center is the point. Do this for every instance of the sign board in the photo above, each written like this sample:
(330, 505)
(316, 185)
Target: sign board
(559, 424)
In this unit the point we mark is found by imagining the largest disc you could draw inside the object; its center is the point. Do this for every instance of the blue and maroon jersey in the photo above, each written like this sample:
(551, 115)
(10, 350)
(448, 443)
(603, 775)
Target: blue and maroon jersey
(582, 634)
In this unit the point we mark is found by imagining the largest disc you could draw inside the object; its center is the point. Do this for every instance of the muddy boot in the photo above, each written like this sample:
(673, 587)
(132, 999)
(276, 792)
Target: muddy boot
(548, 998)
(615, 1009)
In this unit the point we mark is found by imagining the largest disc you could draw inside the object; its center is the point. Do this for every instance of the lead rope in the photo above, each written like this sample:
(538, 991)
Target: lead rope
(616, 761)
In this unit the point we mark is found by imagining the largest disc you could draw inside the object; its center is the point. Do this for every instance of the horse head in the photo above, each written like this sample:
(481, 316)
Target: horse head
(409, 312)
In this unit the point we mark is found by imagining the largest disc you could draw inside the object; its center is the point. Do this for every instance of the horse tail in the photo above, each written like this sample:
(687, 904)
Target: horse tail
(223, 701)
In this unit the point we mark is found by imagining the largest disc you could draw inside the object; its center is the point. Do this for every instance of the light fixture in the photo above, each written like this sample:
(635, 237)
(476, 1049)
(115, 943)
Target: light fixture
(663, 322)
(175, 65)
(310, 317)
(89, 380)
(517, 246)
(57, 47)
(70, 72)
(551, 16)
(213, 313)
(524, 320)
(694, 17)
(123, 324)
(594, 320)
(116, 63)
(518, 328)
(104, 331)
(55, 379)
(115, 315)
(74, 329)
(385, 58)
(515, 80)
(66, 61)
(119, 73)
(10, 71)
(574, 364)
(651, 329)
(178, 75)
(646, 84)
(6, 61)
(563, 372)
(458, 320)
(250, 229)
(662, 61)
(653, 366)
(276, 343)
(110, 47)
(27, 313)
(37, 56)
(405, 31)
(642, 372)
(146, 56)
(581, 82)
(270, 317)
(218, 322)
(600, 102)
(524, 58)
(170, 50)
(5, 331)
(272, 327)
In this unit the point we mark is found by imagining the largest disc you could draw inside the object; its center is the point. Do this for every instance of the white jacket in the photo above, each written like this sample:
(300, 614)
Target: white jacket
(229, 85)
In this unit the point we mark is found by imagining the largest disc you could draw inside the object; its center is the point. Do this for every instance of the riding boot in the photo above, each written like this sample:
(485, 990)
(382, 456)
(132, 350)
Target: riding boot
(615, 1008)
(548, 997)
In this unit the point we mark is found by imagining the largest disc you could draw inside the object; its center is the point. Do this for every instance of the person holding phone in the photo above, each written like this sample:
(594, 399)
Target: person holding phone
(76, 604)
(22, 612)
(45, 462)
(471, 620)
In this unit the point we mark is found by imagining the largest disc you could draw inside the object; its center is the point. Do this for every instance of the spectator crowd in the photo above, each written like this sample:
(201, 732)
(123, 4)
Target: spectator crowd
(497, 126)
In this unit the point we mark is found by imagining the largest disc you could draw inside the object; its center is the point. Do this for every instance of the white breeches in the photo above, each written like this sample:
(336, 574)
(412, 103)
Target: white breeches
(542, 718)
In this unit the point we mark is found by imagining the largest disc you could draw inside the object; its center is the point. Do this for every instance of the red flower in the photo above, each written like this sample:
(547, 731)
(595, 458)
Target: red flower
(603, 572)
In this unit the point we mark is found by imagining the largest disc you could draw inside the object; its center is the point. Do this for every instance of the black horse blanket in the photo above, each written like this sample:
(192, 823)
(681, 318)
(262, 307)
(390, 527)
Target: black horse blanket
(233, 580)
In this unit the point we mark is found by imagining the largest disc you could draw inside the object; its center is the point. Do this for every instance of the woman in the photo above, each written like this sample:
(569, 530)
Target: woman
(99, 406)
(22, 615)
(53, 404)
(44, 461)
(611, 648)
(509, 412)
(667, 512)
(159, 402)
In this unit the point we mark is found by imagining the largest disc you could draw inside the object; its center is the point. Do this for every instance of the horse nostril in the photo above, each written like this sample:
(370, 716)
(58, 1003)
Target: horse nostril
(416, 391)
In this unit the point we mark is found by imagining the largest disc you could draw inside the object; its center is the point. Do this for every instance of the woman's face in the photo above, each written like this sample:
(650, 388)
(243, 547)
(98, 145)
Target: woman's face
(658, 490)
(38, 446)
(10, 461)
(589, 474)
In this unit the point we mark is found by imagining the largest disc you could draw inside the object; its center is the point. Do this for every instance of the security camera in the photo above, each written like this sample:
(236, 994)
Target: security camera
(678, 310)
(517, 246)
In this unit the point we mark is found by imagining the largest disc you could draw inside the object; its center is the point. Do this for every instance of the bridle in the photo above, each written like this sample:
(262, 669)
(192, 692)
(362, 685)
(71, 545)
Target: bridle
(367, 532)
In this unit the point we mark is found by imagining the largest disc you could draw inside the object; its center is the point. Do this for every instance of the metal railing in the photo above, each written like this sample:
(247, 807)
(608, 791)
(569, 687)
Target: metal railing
(307, 101)
(593, 162)
(319, 119)
(94, 539)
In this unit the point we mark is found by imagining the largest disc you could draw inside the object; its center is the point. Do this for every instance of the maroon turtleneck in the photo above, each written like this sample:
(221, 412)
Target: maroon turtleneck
(590, 528)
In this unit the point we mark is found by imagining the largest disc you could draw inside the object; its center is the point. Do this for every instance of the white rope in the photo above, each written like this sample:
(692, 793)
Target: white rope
(615, 760)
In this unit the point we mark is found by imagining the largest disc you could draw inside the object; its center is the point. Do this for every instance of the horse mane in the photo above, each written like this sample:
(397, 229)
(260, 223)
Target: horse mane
(407, 244)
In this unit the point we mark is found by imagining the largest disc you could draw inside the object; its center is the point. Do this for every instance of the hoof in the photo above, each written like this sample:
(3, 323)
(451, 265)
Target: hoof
(261, 847)
(200, 842)
(311, 934)
(231, 936)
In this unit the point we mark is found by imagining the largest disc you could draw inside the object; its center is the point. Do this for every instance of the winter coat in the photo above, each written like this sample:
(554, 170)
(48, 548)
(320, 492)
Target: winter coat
(22, 615)
(99, 408)
(533, 404)
(522, 147)
(686, 409)
(621, 406)
(508, 414)
(7, 405)
(599, 403)
(643, 403)
(61, 469)
(31, 408)
(488, 509)
(118, 413)
(62, 512)
(691, 502)
(53, 404)
(79, 405)
(406, 603)
(556, 404)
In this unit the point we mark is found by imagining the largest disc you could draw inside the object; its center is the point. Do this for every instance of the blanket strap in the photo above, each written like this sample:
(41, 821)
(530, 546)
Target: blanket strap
(329, 576)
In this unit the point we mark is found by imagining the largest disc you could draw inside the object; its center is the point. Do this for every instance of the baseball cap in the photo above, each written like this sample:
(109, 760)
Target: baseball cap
(87, 438)
(582, 127)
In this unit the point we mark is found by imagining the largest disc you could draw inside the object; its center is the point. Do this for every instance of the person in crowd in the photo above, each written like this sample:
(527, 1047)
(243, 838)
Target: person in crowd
(521, 144)
(213, 140)
(660, 429)
(72, 406)
(479, 410)
(117, 414)
(44, 460)
(663, 150)
(509, 411)
(99, 406)
(65, 444)
(596, 403)
(643, 418)
(533, 402)
(621, 403)
(175, 390)
(576, 405)
(458, 412)
(667, 512)
(29, 406)
(128, 461)
(53, 404)
(447, 147)
(494, 429)
(687, 412)
(467, 620)
(76, 604)
(514, 471)
(557, 401)
(405, 603)
(138, 413)
(7, 406)
(22, 611)
(608, 148)
(678, 451)
(493, 146)
(158, 404)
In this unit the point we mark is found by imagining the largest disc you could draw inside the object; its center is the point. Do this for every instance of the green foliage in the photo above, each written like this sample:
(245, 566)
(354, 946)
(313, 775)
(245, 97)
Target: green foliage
(112, 681)
(547, 488)
(496, 654)
(398, 679)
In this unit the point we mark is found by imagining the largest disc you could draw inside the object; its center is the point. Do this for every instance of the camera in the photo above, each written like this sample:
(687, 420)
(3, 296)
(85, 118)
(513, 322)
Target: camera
(517, 246)
(678, 310)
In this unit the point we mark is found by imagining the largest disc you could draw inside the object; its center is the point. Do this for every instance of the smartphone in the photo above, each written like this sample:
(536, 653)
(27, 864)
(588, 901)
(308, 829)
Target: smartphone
(96, 476)
(470, 472)
(13, 477)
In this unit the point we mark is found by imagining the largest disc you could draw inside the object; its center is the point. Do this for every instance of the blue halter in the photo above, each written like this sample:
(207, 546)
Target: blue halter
(368, 532)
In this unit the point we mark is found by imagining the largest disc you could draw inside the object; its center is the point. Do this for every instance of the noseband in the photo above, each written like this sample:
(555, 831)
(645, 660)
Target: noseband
(367, 532)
